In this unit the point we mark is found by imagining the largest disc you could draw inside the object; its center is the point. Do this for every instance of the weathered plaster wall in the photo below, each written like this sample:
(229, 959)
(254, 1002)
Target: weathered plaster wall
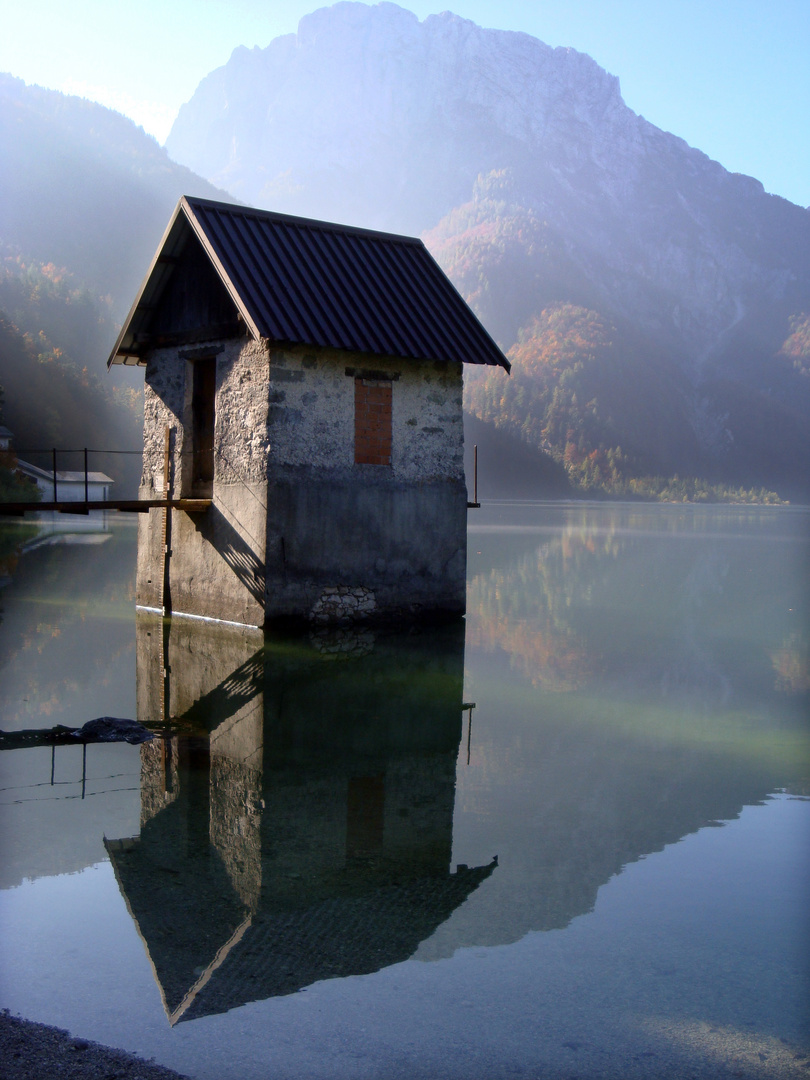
(216, 558)
(401, 547)
(163, 399)
(348, 541)
(241, 438)
(242, 435)
(311, 414)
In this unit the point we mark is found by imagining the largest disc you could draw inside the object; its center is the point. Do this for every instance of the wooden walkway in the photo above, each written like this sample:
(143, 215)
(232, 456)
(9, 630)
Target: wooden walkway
(127, 506)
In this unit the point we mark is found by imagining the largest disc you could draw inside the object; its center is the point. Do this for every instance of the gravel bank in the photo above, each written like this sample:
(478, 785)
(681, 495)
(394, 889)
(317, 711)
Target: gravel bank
(31, 1051)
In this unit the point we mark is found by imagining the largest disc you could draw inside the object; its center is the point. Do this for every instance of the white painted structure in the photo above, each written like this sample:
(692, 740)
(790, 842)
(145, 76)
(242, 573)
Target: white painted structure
(70, 485)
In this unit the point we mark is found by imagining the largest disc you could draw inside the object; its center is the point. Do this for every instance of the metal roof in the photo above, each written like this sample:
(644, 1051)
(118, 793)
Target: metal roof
(304, 282)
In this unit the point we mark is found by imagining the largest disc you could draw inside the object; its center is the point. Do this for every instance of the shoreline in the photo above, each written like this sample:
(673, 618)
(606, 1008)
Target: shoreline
(29, 1049)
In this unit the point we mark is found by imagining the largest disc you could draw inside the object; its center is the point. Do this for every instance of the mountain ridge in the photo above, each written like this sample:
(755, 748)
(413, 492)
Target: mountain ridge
(548, 202)
(544, 197)
(432, 105)
(84, 198)
(84, 187)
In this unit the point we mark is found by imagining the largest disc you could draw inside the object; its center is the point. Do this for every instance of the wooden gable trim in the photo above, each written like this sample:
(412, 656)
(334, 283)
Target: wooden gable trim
(220, 269)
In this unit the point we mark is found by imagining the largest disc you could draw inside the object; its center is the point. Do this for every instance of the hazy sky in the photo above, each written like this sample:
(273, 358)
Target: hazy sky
(732, 77)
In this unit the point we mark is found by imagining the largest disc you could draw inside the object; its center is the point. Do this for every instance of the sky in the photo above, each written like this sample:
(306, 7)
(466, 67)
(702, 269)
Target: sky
(731, 77)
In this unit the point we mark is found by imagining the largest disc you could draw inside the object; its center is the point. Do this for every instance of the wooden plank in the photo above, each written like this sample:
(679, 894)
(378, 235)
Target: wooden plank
(135, 506)
(213, 332)
(165, 538)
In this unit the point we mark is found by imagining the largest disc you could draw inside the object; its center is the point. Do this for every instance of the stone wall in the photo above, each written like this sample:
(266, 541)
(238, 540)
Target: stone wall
(297, 529)
(216, 558)
(241, 436)
(311, 413)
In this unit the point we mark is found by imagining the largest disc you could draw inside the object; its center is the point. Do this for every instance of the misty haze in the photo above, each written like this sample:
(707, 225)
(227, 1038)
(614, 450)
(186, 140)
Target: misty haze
(561, 835)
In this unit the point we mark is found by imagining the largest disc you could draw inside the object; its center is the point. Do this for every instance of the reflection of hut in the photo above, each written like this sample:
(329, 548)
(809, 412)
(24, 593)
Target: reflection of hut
(300, 826)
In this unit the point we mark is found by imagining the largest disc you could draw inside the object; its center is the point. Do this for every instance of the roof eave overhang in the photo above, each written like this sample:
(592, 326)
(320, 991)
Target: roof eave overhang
(496, 356)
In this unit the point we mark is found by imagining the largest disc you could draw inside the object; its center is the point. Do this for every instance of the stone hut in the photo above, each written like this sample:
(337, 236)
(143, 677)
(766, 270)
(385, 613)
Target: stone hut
(303, 420)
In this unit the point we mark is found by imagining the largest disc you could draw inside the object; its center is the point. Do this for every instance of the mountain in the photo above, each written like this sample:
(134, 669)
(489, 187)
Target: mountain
(541, 193)
(84, 198)
(617, 405)
(84, 188)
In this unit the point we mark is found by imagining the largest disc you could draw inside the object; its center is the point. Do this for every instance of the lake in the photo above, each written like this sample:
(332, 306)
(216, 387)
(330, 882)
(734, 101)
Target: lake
(568, 836)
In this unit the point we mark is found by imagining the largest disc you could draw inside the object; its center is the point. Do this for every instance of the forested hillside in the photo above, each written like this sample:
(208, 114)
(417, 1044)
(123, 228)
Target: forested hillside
(613, 406)
(84, 198)
(52, 396)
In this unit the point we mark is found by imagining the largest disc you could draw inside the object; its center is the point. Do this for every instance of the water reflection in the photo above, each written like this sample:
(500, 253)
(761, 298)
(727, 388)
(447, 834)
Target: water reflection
(705, 606)
(639, 675)
(791, 663)
(298, 824)
(66, 638)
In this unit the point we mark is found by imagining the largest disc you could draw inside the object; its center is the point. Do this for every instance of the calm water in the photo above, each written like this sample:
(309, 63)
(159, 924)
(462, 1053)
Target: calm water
(568, 837)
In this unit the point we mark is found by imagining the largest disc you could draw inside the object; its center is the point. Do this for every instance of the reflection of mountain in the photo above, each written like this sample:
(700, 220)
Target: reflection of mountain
(299, 824)
(584, 787)
(679, 718)
(523, 606)
(791, 662)
(644, 600)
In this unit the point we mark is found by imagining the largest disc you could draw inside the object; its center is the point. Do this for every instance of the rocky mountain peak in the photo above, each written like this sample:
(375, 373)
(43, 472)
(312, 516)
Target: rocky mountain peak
(655, 306)
(371, 90)
(369, 116)
(535, 186)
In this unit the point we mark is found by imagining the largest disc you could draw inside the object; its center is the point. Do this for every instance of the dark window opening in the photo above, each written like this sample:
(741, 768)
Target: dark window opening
(365, 816)
(202, 420)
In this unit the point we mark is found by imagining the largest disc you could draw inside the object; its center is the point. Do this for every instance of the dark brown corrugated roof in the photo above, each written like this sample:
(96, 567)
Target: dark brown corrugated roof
(304, 282)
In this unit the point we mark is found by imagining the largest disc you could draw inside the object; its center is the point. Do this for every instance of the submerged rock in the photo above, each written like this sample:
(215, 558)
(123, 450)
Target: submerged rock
(113, 729)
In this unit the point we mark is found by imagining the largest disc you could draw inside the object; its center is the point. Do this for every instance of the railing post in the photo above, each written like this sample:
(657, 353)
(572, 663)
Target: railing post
(86, 496)
(54, 474)
(475, 474)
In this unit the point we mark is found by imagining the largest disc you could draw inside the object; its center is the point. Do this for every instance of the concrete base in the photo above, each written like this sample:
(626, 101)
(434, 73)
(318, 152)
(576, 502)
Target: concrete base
(339, 551)
(328, 550)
